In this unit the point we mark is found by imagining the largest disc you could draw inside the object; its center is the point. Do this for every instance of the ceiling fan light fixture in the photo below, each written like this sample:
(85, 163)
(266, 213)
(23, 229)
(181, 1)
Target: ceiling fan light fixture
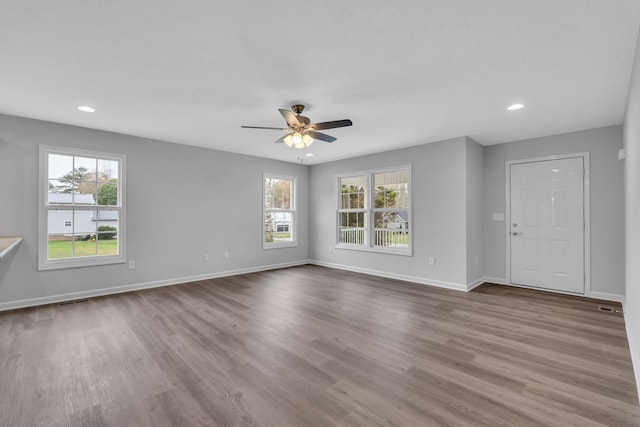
(301, 132)
(307, 140)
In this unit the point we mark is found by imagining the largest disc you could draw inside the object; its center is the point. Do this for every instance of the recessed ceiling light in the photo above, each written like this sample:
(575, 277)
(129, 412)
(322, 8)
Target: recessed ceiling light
(309, 154)
(86, 109)
(514, 107)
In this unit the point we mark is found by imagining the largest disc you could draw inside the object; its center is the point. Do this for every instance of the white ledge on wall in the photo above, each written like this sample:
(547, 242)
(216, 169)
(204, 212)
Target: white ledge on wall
(7, 244)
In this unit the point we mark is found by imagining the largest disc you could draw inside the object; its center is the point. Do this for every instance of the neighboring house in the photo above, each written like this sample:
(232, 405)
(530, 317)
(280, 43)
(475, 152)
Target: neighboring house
(68, 222)
(398, 221)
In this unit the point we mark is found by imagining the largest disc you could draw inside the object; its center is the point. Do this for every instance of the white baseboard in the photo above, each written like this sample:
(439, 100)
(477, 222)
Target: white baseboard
(606, 296)
(634, 348)
(388, 275)
(32, 302)
(475, 283)
(593, 294)
(496, 280)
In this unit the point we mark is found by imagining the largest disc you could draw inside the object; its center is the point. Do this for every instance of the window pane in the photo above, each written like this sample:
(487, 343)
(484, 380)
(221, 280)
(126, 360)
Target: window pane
(85, 193)
(353, 190)
(59, 165)
(59, 246)
(85, 245)
(279, 227)
(352, 228)
(85, 167)
(107, 194)
(84, 222)
(59, 192)
(108, 226)
(107, 170)
(60, 222)
(392, 189)
(277, 193)
(391, 229)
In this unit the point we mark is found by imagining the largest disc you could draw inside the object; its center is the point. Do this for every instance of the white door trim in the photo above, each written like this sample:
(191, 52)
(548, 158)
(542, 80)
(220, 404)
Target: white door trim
(587, 212)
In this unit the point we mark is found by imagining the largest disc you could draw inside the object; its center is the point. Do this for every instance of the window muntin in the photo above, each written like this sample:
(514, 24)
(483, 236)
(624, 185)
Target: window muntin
(374, 211)
(81, 213)
(279, 213)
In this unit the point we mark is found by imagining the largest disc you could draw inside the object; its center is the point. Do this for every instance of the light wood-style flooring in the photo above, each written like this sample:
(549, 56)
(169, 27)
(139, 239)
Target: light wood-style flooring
(313, 346)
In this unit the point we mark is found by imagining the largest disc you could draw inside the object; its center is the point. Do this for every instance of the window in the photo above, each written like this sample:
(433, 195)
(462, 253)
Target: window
(374, 210)
(81, 217)
(279, 220)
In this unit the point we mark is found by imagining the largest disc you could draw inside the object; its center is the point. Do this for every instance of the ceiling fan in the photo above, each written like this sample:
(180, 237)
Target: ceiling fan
(302, 133)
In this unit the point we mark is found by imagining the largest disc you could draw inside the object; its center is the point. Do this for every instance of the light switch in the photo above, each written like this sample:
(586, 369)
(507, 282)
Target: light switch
(498, 217)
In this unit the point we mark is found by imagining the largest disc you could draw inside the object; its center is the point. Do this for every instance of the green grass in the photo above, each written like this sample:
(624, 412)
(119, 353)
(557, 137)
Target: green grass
(62, 248)
(282, 235)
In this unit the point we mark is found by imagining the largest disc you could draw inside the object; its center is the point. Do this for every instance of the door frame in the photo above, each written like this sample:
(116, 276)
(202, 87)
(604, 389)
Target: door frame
(586, 212)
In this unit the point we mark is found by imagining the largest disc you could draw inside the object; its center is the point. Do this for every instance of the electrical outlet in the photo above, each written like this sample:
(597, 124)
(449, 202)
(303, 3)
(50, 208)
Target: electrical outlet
(432, 261)
(132, 265)
(226, 255)
(205, 257)
(330, 249)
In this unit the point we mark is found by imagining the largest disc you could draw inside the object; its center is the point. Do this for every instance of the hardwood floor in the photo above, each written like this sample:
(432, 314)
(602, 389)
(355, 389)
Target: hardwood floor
(312, 346)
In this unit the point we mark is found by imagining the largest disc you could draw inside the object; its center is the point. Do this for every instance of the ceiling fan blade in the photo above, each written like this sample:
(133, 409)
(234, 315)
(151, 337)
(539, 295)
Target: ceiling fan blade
(290, 117)
(262, 127)
(331, 125)
(281, 139)
(321, 136)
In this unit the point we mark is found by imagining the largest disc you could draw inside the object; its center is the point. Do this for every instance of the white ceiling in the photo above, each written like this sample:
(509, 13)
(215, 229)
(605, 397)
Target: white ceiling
(406, 72)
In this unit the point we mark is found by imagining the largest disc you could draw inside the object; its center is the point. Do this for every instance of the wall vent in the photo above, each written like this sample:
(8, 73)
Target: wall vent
(608, 309)
(77, 301)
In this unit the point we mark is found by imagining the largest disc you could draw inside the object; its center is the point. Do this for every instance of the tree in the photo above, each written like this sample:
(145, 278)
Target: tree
(69, 182)
(108, 193)
(353, 198)
(282, 194)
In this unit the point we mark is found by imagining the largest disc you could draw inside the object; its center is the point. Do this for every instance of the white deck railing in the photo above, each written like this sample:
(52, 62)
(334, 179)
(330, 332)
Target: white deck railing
(383, 237)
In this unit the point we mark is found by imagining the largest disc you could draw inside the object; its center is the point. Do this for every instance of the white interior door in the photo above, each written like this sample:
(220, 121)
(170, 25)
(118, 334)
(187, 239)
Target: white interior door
(547, 224)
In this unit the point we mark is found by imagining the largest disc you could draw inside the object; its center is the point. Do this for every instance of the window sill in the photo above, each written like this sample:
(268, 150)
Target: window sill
(80, 262)
(279, 245)
(380, 250)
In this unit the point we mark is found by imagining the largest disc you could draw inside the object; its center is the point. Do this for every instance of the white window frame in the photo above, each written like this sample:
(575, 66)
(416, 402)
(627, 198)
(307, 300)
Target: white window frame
(292, 211)
(44, 207)
(368, 245)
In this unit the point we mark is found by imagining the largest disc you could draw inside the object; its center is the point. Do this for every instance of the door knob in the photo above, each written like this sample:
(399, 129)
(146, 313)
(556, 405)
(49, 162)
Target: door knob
(516, 233)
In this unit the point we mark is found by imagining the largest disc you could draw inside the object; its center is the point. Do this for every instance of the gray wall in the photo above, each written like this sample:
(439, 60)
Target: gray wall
(607, 213)
(182, 202)
(438, 219)
(475, 205)
(202, 200)
(632, 207)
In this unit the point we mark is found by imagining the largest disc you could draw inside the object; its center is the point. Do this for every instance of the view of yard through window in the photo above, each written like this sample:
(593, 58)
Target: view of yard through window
(373, 210)
(82, 206)
(279, 210)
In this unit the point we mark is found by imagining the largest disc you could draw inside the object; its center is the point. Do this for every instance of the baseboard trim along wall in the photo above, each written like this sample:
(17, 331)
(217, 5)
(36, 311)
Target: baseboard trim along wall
(53, 299)
(593, 294)
(413, 279)
(606, 296)
(633, 349)
(475, 283)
